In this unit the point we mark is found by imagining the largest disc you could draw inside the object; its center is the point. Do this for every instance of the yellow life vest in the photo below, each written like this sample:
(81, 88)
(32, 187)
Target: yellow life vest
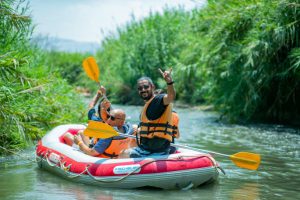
(162, 127)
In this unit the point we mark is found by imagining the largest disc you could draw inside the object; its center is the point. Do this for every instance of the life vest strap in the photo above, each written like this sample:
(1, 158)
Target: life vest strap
(113, 155)
(155, 125)
(155, 131)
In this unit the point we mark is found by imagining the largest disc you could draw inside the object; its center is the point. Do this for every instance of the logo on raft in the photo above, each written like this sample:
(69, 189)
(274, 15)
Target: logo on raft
(125, 169)
(53, 157)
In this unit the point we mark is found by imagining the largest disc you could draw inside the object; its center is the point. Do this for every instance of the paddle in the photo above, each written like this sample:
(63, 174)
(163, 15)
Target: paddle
(92, 70)
(98, 129)
(244, 160)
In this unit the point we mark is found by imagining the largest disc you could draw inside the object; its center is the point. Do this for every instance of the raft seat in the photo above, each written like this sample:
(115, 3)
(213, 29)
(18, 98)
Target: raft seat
(73, 131)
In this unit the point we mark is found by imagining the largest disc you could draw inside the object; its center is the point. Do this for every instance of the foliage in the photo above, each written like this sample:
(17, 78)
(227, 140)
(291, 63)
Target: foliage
(31, 98)
(248, 48)
(69, 67)
(241, 56)
(139, 49)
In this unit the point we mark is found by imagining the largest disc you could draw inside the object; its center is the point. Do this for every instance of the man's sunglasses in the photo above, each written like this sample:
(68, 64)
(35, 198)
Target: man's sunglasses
(113, 118)
(140, 88)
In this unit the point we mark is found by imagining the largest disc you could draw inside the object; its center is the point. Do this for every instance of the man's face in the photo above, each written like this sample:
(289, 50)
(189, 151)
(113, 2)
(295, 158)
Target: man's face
(145, 90)
(115, 119)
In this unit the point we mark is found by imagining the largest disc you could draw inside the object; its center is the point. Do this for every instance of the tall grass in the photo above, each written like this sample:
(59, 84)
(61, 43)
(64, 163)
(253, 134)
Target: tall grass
(247, 48)
(241, 56)
(139, 49)
(31, 99)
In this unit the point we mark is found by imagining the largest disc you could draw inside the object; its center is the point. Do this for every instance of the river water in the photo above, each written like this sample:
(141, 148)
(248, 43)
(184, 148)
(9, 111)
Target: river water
(278, 176)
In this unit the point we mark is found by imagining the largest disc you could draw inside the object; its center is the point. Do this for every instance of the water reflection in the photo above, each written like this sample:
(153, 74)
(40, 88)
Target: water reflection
(59, 187)
(16, 175)
(247, 191)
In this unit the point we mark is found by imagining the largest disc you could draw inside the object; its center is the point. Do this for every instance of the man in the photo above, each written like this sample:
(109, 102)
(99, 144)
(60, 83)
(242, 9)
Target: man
(156, 129)
(110, 147)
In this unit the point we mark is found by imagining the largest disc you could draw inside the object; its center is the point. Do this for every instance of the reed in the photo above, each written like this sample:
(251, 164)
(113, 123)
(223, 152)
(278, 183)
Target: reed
(32, 98)
(240, 56)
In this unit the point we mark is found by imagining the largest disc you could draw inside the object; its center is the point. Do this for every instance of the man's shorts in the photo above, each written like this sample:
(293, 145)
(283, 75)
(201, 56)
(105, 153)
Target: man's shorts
(138, 152)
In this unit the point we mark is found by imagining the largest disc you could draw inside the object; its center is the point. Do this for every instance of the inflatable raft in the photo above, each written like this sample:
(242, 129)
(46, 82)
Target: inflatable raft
(181, 170)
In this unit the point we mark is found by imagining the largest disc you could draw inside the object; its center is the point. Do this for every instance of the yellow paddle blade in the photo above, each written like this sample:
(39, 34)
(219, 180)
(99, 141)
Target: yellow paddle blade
(99, 130)
(246, 160)
(91, 68)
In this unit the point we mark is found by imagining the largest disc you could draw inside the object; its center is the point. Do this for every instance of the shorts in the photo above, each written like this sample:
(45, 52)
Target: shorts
(138, 152)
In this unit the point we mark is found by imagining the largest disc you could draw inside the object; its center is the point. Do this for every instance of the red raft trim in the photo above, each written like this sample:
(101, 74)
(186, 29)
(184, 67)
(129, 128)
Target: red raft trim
(145, 166)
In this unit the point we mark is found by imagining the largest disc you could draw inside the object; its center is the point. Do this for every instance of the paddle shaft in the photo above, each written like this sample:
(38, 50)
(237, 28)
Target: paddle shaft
(197, 149)
(104, 95)
(181, 146)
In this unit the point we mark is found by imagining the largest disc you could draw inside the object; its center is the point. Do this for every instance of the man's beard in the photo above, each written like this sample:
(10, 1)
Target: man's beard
(146, 98)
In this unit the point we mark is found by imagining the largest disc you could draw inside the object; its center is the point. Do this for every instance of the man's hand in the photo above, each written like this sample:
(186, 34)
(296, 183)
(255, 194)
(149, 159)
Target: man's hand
(105, 104)
(171, 94)
(102, 91)
(77, 139)
(166, 75)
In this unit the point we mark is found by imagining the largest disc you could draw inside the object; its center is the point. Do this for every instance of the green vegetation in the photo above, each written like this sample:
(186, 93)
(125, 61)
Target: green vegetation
(33, 98)
(141, 48)
(69, 66)
(249, 50)
(240, 56)
(243, 57)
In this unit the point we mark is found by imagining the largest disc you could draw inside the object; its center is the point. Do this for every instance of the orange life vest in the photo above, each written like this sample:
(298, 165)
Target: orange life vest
(175, 119)
(117, 145)
(163, 127)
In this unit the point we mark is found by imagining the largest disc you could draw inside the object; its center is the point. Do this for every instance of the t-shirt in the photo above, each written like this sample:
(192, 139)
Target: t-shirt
(155, 109)
(92, 115)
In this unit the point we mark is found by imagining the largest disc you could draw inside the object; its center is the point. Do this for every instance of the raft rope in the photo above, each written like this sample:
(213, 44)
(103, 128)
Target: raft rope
(49, 163)
(63, 167)
(86, 170)
(216, 166)
(77, 175)
(214, 163)
(38, 158)
(130, 173)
